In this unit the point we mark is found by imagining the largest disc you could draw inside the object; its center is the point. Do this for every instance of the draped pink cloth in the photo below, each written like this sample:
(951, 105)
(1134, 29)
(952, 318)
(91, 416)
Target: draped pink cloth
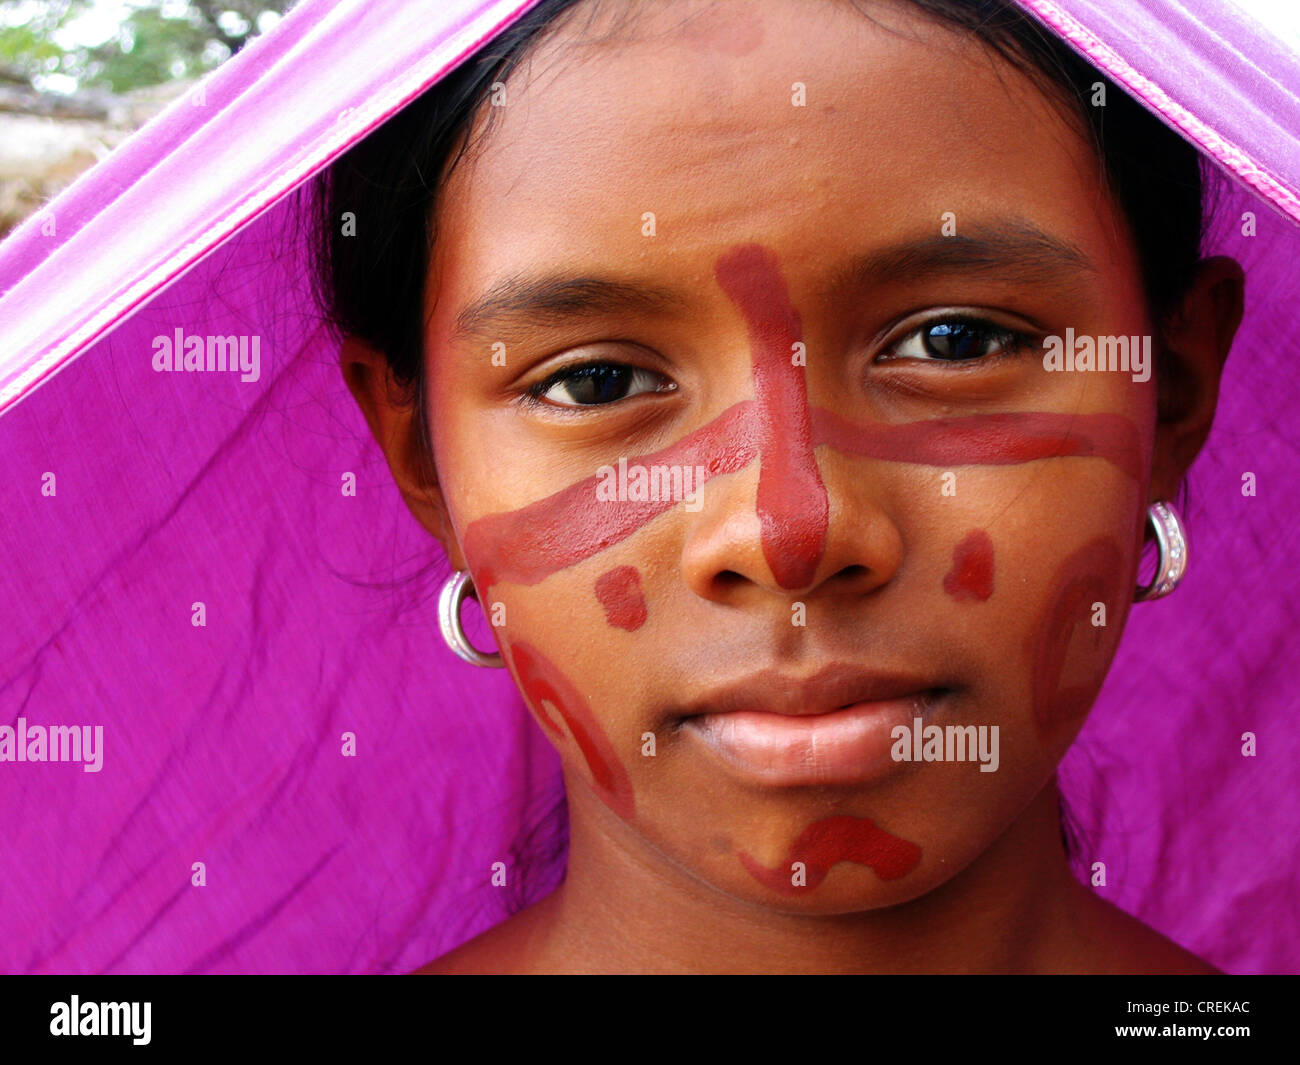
(227, 743)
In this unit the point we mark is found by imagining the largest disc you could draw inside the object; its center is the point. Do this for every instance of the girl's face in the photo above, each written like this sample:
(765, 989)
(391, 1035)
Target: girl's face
(741, 419)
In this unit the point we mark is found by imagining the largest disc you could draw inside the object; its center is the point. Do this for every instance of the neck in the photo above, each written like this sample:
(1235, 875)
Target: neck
(625, 908)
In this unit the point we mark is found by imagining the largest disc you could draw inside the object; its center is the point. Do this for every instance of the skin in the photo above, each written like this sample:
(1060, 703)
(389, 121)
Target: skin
(687, 114)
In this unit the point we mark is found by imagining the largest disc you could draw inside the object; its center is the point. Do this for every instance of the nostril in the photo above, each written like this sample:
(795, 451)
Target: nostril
(853, 573)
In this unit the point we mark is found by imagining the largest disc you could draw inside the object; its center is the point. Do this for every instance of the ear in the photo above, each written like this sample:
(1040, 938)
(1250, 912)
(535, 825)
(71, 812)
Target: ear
(1196, 340)
(393, 417)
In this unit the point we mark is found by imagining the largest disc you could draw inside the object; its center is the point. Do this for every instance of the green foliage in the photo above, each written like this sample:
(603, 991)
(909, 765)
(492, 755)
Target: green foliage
(154, 43)
(149, 49)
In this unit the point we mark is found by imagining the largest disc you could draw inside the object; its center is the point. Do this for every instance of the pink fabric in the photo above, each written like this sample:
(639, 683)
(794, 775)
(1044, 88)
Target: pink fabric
(224, 744)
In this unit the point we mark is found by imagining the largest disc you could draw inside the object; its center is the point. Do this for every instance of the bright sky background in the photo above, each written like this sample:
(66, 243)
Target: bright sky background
(101, 21)
(1281, 16)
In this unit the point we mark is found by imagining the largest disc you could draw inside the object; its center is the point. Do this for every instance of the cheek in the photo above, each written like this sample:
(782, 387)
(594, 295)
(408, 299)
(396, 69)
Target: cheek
(619, 591)
(792, 504)
(971, 576)
(989, 439)
(1074, 639)
(527, 545)
(552, 695)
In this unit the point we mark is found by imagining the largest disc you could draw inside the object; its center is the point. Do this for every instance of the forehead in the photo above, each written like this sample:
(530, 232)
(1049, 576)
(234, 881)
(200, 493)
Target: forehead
(693, 112)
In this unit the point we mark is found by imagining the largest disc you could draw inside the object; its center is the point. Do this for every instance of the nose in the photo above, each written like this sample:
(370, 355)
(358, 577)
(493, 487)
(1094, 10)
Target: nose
(778, 534)
(729, 551)
(791, 501)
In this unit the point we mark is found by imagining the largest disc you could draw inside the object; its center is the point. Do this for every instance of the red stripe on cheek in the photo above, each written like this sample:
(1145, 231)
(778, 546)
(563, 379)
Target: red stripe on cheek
(528, 545)
(619, 592)
(825, 843)
(793, 508)
(1066, 639)
(542, 684)
(987, 439)
(971, 576)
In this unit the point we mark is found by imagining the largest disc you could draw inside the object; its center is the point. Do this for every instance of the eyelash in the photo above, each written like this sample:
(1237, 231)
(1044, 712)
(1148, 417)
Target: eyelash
(1011, 342)
(532, 397)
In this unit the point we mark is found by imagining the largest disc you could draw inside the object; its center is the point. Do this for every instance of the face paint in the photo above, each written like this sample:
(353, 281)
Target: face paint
(619, 592)
(549, 691)
(825, 843)
(1067, 639)
(987, 439)
(528, 545)
(971, 576)
(793, 508)
(780, 429)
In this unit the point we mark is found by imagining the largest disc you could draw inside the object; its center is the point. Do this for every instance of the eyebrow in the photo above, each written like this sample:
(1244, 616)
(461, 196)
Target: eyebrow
(558, 300)
(1012, 250)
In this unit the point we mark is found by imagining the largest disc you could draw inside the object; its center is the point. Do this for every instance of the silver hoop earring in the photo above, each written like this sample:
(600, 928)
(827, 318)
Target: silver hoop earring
(1172, 541)
(457, 589)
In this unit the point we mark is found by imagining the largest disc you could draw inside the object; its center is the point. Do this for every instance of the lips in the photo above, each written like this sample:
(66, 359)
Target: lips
(833, 728)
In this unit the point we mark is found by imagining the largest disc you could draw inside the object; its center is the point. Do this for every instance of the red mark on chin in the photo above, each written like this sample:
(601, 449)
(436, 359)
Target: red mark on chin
(971, 576)
(1067, 638)
(793, 508)
(542, 683)
(619, 592)
(825, 843)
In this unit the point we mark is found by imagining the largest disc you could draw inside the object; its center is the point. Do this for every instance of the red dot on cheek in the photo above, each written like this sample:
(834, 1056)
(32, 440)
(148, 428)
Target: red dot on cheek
(971, 576)
(619, 592)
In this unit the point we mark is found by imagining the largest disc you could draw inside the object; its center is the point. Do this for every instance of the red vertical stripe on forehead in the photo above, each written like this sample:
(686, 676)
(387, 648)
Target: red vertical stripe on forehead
(793, 508)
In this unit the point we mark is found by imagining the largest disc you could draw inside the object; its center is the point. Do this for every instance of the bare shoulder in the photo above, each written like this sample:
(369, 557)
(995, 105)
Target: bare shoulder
(509, 948)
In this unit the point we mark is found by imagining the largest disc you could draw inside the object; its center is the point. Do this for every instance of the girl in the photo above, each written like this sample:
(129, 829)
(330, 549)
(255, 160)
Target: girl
(793, 385)
(710, 341)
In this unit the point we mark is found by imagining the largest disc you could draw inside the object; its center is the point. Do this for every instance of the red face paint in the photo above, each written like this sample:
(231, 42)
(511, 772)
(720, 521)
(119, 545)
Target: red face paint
(527, 545)
(825, 843)
(971, 576)
(793, 508)
(619, 592)
(987, 439)
(542, 683)
(779, 428)
(1067, 637)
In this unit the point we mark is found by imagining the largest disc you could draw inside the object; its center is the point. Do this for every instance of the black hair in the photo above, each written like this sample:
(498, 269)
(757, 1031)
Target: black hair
(370, 283)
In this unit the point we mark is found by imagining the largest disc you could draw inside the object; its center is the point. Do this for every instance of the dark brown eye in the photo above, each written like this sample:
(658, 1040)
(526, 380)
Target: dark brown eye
(598, 384)
(958, 341)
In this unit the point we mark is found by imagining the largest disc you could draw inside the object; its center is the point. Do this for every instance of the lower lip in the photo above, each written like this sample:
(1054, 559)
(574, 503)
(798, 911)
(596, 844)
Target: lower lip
(848, 746)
